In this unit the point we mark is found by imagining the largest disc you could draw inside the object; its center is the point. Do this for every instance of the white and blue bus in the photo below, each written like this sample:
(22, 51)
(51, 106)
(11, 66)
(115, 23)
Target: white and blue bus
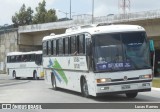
(98, 60)
(25, 64)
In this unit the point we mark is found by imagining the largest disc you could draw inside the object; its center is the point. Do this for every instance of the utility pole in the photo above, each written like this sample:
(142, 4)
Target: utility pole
(70, 8)
(124, 6)
(92, 11)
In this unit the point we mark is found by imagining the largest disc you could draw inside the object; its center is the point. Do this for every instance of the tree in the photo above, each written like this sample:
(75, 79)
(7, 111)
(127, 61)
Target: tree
(44, 16)
(23, 17)
(50, 16)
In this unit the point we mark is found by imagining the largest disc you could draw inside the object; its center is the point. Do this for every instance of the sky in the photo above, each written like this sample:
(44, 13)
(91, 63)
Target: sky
(101, 7)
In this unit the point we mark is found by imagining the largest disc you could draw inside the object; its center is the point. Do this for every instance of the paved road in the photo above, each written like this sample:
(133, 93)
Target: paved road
(6, 81)
(36, 91)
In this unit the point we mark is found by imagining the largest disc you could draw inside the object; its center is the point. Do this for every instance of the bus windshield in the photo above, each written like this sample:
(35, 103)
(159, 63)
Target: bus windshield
(121, 51)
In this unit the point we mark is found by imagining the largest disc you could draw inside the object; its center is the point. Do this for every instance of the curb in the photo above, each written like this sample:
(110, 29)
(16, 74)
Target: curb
(13, 83)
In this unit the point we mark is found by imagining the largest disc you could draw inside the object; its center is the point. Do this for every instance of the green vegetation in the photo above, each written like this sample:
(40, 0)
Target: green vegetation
(156, 83)
(23, 17)
(42, 15)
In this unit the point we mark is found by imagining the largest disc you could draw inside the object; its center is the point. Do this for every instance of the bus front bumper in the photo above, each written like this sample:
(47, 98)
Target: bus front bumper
(123, 87)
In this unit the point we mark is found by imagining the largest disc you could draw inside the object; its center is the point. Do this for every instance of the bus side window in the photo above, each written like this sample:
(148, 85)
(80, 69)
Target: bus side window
(73, 45)
(60, 46)
(18, 58)
(13, 59)
(69, 45)
(66, 45)
(49, 47)
(88, 47)
(38, 59)
(28, 58)
(24, 58)
(81, 44)
(57, 47)
(32, 57)
(54, 47)
(44, 48)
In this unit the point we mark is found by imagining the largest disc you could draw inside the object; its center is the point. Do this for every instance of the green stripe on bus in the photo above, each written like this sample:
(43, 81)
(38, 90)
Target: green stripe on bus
(60, 72)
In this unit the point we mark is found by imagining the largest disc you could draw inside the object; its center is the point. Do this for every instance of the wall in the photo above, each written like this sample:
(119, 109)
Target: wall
(8, 43)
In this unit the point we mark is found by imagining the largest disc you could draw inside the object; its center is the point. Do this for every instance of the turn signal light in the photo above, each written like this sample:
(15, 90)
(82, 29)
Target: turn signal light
(103, 80)
(145, 76)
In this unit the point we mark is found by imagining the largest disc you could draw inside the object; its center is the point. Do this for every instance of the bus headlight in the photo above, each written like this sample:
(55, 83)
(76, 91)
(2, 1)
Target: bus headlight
(145, 76)
(103, 80)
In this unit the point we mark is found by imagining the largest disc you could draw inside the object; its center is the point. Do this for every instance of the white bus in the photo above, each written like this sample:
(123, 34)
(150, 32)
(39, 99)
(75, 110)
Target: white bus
(25, 64)
(99, 60)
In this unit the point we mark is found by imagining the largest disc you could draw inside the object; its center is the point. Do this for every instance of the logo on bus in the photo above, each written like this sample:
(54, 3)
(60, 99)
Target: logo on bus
(125, 78)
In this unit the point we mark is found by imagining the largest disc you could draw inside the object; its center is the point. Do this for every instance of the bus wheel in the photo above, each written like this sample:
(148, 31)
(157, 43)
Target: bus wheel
(84, 88)
(131, 95)
(14, 75)
(35, 75)
(53, 80)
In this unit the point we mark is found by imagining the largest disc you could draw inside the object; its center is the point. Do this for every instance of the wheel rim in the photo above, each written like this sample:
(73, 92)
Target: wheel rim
(53, 82)
(35, 76)
(14, 75)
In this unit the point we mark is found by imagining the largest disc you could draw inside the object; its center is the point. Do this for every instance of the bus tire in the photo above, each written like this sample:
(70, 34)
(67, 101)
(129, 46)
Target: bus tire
(14, 74)
(35, 75)
(53, 80)
(84, 88)
(131, 95)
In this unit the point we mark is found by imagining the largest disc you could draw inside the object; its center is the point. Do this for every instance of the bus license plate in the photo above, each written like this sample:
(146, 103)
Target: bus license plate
(125, 86)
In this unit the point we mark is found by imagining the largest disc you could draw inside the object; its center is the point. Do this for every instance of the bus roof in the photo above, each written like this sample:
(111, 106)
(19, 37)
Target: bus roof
(97, 29)
(23, 53)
